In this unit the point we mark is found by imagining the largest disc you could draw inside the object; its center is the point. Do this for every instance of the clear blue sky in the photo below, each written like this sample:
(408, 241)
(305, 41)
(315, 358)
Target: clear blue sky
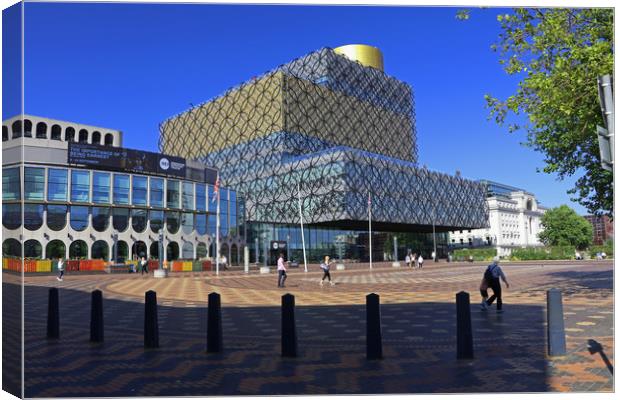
(130, 66)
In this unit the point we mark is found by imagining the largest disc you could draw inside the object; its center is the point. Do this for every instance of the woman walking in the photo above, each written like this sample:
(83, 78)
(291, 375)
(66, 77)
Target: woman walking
(325, 268)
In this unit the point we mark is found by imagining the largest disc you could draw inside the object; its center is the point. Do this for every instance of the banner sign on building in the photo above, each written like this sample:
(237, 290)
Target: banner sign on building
(120, 159)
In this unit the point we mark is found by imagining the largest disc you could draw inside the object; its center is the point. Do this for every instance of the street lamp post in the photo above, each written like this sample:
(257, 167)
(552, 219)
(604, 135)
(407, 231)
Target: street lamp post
(434, 240)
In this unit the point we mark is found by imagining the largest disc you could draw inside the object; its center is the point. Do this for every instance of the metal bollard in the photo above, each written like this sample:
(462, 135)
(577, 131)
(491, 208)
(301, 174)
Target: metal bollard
(556, 338)
(289, 332)
(374, 347)
(151, 328)
(53, 317)
(96, 316)
(464, 336)
(214, 324)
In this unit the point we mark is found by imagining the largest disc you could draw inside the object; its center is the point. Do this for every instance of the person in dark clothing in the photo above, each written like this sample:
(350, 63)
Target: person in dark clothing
(492, 276)
(325, 268)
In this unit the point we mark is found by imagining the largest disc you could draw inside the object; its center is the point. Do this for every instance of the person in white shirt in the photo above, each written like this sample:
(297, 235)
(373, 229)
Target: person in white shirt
(420, 261)
(325, 268)
(281, 270)
(61, 269)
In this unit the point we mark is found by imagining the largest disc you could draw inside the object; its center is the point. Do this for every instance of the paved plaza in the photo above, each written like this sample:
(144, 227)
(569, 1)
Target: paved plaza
(418, 327)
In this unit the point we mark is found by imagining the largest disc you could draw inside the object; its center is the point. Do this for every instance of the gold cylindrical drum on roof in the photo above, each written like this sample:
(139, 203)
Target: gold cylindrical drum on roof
(368, 56)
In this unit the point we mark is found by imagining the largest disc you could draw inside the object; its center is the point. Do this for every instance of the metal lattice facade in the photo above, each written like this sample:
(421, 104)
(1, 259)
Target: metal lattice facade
(338, 129)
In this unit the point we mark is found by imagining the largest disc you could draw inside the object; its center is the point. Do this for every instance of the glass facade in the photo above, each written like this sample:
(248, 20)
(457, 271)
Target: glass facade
(33, 216)
(121, 189)
(157, 192)
(34, 183)
(57, 184)
(11, 184)
(56, 217)
(80, 186)
(78, 217)
(139, 190)
(120, 219)
(101, 187)
(172, 194)
(188, 195)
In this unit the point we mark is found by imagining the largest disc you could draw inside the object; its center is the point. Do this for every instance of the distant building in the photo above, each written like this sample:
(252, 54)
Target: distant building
(514, 221)
(602, 228)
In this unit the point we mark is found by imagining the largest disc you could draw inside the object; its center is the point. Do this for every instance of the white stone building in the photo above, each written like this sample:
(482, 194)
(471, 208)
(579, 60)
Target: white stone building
(514, 221)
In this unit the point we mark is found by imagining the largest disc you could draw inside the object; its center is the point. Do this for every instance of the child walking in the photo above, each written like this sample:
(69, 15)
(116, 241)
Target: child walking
(325, 268)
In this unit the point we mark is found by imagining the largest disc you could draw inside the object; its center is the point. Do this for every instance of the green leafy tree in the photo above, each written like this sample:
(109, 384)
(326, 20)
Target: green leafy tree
(562, 226)
(558, 54)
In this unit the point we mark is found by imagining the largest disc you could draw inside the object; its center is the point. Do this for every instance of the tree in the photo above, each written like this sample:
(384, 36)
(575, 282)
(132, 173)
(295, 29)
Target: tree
(562, 226)
(559, 53)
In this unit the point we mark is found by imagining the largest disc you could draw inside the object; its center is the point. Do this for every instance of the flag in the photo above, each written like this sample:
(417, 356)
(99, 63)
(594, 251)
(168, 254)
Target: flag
(216, 188)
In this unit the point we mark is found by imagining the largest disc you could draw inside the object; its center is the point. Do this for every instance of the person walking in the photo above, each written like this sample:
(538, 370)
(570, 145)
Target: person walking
(491, 279)
(408, 260)
(281, 270)
(415, 260)
(61, 269)
(420, 261)
(144, 266)
(325, 268)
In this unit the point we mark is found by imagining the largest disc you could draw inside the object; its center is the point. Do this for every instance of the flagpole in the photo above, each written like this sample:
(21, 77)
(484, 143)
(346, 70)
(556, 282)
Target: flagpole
(301, 222)
(370, 230)
(217, 227)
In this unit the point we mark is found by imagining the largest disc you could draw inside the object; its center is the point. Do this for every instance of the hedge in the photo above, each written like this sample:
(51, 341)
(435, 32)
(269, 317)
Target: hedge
(486, 254)
(544, 253)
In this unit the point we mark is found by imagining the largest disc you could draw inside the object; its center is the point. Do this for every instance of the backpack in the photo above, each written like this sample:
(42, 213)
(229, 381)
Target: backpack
(488, 274)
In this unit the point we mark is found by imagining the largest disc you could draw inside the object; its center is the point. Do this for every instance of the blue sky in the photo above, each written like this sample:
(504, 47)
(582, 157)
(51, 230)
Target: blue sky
(130, 66)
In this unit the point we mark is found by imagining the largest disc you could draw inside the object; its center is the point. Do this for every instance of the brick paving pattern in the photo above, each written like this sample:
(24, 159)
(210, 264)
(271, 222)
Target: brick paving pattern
(418, 328)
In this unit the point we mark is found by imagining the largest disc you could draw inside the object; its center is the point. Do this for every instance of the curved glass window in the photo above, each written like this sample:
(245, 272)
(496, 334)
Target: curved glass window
(78, 217)
(120, 219)
(187, 223)
(78, 249)
(154, 250)
(11, 248)
(11, 187)
(121, 189)
(157, 192)
(173, 220)
(69, 134)
(54, 249)
(33, 216)
(139, 190)
(12, 216)
(101, 218)
(123, 251)
(138, 220)
(16, 128)
(201, 250)
(101, 187)
(56, 217)
(56, 132)
(27, 128)
(83, 136)
(33, 249)
(172, 194)
(201, 224)
(80, 186)
(188, 195)
(109, 139)
(188, 250)
(138, 249)
(34, 183)
(156, 219)
(41, 130)
(100, 251)
(96, 137)
(172, 251)
(201, 197)
(5, 133)
(57, 184)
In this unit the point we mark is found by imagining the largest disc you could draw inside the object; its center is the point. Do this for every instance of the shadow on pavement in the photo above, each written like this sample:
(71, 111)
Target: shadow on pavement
(419, 348)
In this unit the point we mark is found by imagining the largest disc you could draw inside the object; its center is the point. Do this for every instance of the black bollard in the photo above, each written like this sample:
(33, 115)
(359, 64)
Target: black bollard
(214, 324)
(96, 316)
(289, 333)
(53, 317)
(556, 338)
(464, 337)
(151, 329)
(374, 347)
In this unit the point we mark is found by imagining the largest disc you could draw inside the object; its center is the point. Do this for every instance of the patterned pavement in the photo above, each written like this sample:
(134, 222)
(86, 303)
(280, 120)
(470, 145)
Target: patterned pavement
(418, 327)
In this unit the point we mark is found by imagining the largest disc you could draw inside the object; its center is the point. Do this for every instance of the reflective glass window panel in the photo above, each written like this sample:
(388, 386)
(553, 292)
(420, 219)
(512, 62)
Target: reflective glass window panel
(121, 189)
(187, 223)
(188, 251)
(188, 195)
(172, 194)
(157, 192)
(34, 183)
(80, 186)
(78, 217)
(211, 199)
(101, 187)
(56, 217)
(33, 249)
(12, 216)
(57, 184)
(33, 216)
(120, 219)
(138, 220)
(139, 190)
(201, 224)
(201, 197)
(78, 249)
(99, 250)
(173, 221)
(211, 224)
(11, 188)
(101, 218)
(156, 219)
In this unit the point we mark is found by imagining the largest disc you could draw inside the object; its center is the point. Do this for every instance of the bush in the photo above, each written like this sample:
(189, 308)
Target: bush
(608, 248)
(543, 253)
(486, 254)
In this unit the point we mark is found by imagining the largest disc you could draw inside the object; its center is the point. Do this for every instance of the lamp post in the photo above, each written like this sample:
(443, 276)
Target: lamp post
(434, 240)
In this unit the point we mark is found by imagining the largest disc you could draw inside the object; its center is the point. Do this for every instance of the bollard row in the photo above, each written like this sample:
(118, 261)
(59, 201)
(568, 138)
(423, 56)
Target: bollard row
(556, 338)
